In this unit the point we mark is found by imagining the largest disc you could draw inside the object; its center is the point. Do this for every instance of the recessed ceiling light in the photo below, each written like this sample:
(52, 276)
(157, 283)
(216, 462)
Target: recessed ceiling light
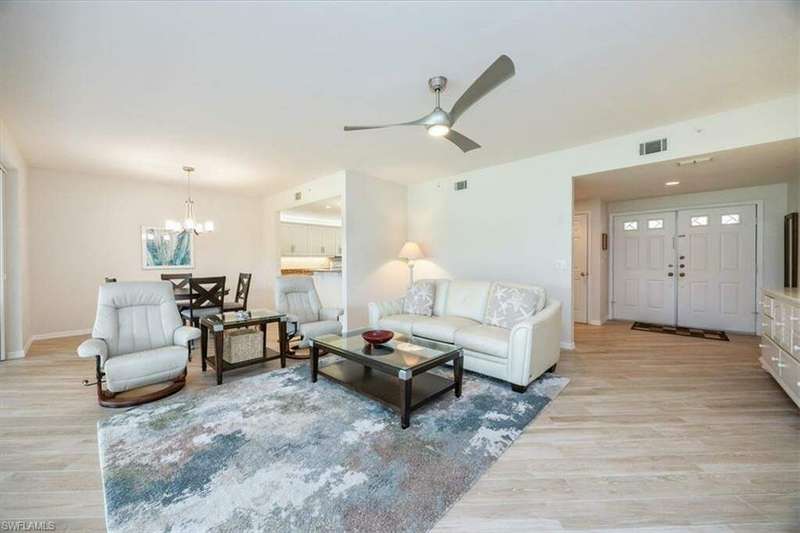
(672, 183)
(695, 161)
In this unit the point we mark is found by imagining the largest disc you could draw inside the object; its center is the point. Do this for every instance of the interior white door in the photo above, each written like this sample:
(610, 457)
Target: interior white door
(2, 267)
(580, 268)
(644, 267)
(717, 268)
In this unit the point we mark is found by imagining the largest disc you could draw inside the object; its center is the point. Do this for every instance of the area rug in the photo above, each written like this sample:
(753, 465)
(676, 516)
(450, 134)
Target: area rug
(276, 452)
(713, 334)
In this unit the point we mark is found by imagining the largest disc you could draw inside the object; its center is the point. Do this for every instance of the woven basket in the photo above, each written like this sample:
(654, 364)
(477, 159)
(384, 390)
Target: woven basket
(242, 344)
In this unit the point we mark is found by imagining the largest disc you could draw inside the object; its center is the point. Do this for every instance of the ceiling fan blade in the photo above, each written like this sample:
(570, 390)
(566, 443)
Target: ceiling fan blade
(498, 72)
(412, 123)
(465, 143)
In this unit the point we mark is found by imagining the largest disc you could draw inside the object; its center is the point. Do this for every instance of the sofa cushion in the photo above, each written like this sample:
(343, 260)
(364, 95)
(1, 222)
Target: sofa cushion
(510, 304)
(490, 340)
(419, 298)
(467, 299)
(399, 323)
(440, 300)
(441, 328)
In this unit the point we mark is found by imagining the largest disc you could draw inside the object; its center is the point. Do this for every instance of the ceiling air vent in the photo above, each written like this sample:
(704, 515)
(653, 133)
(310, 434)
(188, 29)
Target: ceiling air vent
(460, 185)
(653, 147)
(298, 196)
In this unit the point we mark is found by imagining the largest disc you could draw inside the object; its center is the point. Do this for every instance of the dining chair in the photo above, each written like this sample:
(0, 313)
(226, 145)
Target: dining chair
(206, 297)
(242, 291)
(179, 281)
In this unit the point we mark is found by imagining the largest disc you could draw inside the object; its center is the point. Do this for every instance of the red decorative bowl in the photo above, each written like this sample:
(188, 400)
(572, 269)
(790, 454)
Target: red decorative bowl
(377, 336)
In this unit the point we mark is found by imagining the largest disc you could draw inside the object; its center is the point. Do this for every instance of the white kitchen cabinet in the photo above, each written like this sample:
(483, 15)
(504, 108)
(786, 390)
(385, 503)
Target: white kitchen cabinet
(779, 344)
(309, 240)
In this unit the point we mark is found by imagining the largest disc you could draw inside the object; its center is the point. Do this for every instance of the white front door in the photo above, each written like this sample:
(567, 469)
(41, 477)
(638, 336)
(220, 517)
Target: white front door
(644, 267)
(580, 268)
(717, 268)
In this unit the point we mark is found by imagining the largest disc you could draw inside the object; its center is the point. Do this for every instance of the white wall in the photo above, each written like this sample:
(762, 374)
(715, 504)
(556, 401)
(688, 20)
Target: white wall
(598, 259)
(375, 230)
(318, 189)
(17, 303)
(776, 205)
(514, 221)
(84, 228)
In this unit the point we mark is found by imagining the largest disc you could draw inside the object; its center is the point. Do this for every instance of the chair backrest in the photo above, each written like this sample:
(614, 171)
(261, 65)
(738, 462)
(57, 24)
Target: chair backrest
(179, 281)
(206, 293)
(243, 287)
(296, 295)
(135, 316)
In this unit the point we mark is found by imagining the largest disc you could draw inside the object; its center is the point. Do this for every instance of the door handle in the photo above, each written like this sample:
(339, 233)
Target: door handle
(682, 265)
(670, 266)
(670, 274)
(681, 274)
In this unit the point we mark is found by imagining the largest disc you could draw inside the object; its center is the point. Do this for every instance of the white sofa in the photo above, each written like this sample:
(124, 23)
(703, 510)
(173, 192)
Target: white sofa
(517, 355)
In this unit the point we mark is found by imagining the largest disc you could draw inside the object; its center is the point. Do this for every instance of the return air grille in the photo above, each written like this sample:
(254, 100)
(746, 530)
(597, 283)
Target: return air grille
(460, 185)
(653, 147)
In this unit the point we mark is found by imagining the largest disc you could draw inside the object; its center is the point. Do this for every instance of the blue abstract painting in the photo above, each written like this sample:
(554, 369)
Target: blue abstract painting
(163, 248)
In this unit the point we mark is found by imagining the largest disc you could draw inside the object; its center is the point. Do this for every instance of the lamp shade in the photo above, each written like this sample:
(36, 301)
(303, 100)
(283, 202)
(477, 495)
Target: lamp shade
(410, 251)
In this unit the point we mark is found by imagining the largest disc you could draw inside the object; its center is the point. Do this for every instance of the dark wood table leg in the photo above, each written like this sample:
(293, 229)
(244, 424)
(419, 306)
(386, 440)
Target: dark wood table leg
(458, 373)
(314, 362)
(263, 328)
(283, 342)
(405, 404)
(218, 344)
(203, 346)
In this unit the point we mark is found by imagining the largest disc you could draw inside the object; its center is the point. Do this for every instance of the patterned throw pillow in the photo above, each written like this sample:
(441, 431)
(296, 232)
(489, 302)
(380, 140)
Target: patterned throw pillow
(509, 305)
(419, 298)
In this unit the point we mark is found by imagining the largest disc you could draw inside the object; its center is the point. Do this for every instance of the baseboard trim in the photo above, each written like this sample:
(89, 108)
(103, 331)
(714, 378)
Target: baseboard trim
(596, 322)
(60, 334)
(567, 345)
(19, 354)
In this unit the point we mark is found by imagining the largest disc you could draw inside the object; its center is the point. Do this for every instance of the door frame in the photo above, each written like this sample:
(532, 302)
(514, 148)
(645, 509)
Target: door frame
(3, 179)
(759, 248)
(588, 265)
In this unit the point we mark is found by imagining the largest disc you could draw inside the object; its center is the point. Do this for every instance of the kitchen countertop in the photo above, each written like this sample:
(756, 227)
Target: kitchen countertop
(289, 271)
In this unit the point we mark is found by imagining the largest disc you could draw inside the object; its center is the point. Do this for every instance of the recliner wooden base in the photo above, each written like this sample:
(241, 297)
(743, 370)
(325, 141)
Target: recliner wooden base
(109, 399)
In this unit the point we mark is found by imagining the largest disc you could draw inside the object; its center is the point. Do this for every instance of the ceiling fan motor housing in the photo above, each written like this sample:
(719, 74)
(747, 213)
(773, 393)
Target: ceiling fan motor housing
(437, 83)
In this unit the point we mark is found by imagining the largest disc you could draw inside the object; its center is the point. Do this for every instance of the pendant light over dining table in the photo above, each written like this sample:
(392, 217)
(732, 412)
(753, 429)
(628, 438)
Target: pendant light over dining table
(189, 223)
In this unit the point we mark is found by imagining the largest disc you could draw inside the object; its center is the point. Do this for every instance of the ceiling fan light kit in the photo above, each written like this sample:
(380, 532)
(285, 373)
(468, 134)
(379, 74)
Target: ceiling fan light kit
(439, 122)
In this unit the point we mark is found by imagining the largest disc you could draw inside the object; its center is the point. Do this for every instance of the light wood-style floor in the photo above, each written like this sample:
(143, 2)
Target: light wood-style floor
(653, 432)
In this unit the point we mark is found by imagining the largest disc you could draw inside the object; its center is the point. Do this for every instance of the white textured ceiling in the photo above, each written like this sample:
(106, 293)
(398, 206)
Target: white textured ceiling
(255, 94)
(762, 164)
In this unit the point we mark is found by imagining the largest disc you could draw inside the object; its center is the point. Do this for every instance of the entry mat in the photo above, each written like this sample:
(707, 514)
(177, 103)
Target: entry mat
(714, 334)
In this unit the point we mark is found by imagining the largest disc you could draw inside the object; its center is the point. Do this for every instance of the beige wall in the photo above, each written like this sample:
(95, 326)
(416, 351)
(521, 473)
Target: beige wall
(375, 230)
(598, 259)
(84, 228)
(15, 222)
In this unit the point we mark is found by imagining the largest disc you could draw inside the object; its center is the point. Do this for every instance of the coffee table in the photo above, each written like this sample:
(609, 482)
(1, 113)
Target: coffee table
(217, 324)
(395, 374)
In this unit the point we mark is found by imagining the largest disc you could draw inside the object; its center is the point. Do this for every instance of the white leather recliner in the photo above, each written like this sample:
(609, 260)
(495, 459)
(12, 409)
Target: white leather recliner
(138, 340)
(297, 297)
(518, 354)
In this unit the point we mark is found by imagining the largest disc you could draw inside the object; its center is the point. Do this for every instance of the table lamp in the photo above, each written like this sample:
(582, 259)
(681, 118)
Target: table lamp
(410, 252)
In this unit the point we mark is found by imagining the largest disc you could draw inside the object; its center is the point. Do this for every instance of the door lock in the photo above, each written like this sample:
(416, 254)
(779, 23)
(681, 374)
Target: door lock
(670, 274)
(670, 266)
(681, 274)
(682, 265)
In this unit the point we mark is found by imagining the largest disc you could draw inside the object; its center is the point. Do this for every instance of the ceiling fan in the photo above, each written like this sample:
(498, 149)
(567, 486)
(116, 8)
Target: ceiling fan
(439, 122)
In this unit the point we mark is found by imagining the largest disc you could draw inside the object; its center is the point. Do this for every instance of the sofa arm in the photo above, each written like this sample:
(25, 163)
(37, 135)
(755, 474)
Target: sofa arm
(381, 309)
(535, 344)
(330, 313)
(184, 334)
(94, 348)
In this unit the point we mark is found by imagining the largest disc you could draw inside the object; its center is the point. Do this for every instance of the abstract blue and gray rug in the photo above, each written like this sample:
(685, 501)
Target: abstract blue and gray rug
(275, 452)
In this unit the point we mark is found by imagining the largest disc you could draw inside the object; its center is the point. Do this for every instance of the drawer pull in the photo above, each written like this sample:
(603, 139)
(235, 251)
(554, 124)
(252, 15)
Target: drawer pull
(781, 365)
(774, 358)
(764, 346)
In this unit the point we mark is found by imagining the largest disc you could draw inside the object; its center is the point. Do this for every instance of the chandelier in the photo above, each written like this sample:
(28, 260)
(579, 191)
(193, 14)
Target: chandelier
(189, 223)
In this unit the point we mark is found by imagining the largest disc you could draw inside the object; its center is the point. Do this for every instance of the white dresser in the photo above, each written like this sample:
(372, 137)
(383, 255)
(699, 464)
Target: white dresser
(780, 343)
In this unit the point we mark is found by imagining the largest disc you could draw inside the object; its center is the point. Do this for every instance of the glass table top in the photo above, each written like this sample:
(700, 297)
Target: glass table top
(402, 352)
(233, 318)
